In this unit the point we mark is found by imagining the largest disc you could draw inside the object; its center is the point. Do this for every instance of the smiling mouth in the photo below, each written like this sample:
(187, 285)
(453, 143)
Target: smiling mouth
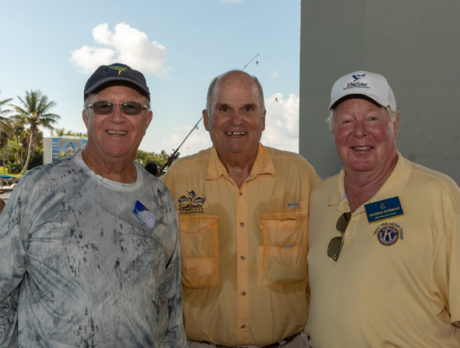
(116, 132)
(236, 134)
(361, 148)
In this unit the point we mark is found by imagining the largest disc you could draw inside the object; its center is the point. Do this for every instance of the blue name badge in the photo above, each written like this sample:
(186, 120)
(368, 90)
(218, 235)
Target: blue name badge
(144, 214)
(383, 209)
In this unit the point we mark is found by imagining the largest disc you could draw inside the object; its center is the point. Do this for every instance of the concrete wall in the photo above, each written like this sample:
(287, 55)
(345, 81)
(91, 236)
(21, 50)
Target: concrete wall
(415, 44)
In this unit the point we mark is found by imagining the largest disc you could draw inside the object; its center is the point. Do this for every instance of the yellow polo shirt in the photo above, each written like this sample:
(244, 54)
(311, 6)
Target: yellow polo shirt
(244, 251)
(396, 282)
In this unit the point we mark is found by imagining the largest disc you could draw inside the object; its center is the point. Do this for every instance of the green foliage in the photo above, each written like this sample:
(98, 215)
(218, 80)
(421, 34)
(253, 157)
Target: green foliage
(61, 132)
(5, 124)
(8, 158)
(37, 157)
(144, 157)
(15, 167)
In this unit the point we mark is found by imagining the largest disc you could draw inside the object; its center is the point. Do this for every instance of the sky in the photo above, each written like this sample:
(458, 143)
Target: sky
(180, 46)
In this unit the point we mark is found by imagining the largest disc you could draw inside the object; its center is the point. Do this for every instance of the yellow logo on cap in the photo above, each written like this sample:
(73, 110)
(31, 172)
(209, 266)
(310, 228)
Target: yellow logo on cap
(118, 68)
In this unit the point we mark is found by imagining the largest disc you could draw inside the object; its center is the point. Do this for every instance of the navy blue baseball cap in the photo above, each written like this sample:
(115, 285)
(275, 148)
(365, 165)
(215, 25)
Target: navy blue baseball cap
(116, 74)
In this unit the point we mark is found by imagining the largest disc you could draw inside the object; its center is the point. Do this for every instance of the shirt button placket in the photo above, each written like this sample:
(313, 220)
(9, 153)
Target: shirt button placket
(243, 266)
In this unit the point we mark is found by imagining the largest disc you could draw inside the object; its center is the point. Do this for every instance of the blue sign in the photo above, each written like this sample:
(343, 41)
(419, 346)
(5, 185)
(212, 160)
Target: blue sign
(384, 209)
(64, 147)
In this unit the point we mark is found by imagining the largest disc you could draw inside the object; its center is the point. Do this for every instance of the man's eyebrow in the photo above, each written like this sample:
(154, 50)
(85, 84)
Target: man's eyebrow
(249, 106)
(223, 104)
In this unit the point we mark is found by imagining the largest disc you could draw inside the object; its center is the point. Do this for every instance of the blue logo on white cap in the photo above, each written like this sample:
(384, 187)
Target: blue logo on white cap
(356, 77)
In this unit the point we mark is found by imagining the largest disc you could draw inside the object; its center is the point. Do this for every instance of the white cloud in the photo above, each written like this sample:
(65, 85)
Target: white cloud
(89, 58)
(281, 128)
(274, 75)
(124, 45)
(282, 122)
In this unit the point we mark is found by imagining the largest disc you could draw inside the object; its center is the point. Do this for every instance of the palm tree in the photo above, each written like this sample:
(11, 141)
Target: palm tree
(19, 133)
(34, 112)
(5, 126)
(60, 132)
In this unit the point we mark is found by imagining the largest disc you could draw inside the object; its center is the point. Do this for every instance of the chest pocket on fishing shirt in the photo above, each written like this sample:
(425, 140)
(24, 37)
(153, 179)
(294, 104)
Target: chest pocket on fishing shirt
(282, 258)
(199, 250)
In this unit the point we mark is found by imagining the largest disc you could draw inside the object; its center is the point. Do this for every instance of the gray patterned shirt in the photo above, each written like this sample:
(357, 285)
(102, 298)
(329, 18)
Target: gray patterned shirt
(79, 269)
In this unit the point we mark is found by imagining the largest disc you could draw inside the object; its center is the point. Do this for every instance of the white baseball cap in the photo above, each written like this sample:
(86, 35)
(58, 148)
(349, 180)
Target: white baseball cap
(369, 84)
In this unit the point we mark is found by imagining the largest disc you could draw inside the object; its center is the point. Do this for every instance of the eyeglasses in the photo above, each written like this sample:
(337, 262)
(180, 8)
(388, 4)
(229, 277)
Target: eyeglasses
(104, 107)
(336, 243)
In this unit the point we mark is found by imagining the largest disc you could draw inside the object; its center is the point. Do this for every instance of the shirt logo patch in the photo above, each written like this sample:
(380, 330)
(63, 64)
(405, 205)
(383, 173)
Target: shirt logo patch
(144, 214)
(191, 203)
(389, 233)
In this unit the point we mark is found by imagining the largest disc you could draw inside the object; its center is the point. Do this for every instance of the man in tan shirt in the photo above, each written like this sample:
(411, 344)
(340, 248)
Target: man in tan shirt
(384, 246)
(243, 217)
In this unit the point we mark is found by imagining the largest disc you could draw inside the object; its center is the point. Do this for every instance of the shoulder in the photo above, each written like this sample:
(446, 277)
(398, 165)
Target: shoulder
(50, 170)
(433, 181)
(326, 185)
(201, 156)
(190, 163)
(431, 174)
(45, 180)
(283, 158)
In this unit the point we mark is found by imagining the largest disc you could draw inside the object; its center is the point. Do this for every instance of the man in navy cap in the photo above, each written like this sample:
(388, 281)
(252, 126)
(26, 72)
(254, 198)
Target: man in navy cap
(89, 254)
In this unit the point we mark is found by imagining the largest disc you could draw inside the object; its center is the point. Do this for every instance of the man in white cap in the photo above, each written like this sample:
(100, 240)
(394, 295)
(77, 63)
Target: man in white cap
(89, 251)
(384, 241)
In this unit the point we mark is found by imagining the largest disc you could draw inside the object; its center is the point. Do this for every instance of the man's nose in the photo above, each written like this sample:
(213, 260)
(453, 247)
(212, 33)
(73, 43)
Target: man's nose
(117, 113)
(237, 117)
(360, 129)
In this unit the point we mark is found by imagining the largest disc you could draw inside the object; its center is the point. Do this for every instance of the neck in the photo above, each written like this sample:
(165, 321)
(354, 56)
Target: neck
(239, 167)
(362, 186)
(115, 170)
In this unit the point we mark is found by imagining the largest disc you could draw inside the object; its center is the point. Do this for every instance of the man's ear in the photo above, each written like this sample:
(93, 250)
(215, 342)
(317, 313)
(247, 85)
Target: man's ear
(396, 125)
(84, 116)
(263, 120)
(148, 120)
(205, 119)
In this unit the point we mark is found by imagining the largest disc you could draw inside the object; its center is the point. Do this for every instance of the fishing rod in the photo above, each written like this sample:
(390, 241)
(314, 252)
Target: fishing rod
(175, 154)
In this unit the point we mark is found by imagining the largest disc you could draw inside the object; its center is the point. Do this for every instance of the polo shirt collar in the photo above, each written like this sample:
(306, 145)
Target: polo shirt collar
(262, 165)
(394, 185)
